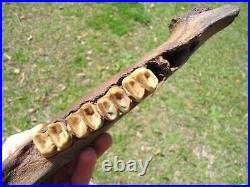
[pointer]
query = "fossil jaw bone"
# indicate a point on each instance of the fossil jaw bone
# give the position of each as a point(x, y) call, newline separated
point(44, 144)
point(146, 77)
point(119, 98)
point(106, 108)
point(133, 88)
point(90, 116)
point(76, 125)
point(59, 135)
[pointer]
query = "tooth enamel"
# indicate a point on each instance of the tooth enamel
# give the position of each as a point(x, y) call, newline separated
point(106, 108)
point(59, 135)
point(76, 125)
point(146, 77)
point(119, 98)
point(133, 88)
point(44, 144)
point(90, 116)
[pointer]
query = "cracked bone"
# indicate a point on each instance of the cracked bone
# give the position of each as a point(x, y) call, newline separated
point(59, 135)
point(44, 144)
point(76, 125)
point(90, 116)
point(146, 77)
point(133, 88)
point(119, 98)
point(107, 108)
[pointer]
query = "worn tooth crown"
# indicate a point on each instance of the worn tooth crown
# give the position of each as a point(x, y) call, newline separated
point(59, 135)
point(90, 116)
point(106, 108)
point(76, 125)
point(44, 144)
point(146, 77)
point(133, 88)
point(119, 98)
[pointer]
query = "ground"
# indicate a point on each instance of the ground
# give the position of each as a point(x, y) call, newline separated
point(194, 126)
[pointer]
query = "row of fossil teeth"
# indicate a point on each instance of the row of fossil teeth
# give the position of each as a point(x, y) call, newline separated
point(90, 116)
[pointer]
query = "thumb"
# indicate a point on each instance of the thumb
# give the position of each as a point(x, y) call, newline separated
point(16, 141)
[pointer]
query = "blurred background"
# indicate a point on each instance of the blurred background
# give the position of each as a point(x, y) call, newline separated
point(194, 126)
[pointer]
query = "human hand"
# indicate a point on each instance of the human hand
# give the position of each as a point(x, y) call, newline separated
point(77, 172)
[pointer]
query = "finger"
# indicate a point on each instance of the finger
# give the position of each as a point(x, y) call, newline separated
point(37, 128)
point(102, 143)
point(85, 166)
point(70, 167)
point(16, 141)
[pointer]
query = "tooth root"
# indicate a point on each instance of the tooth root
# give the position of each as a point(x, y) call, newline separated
point(106, 108)
point(119, 98)
point(76, 125)
point(133, 88)
point(90, 116)
point(59, 135)
point(146, 77)
point(44, 144)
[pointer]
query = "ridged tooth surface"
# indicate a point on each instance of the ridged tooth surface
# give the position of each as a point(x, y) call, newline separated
point(76, 125)
point(90, 116)
point(44, 144)
point(59, 135)
point(106, 108)
point(146, 77)
point(133, 88)
point(119, 98)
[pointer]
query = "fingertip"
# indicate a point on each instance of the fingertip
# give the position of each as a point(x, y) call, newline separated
point(102, 143)
point(87, 156)
point(85, 166)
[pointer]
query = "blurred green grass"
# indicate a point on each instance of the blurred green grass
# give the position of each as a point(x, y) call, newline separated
point(195, 125)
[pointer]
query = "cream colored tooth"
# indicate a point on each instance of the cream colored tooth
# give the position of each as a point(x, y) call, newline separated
point(146, 77)
point(133, 88)
point(106, 108)
point(119, 98)
point(59, 135)
point(90, 116)
point(76, 125)
point(44, 144)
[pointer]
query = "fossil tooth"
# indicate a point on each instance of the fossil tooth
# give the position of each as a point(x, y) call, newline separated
point(119, 98)
point(106, 108)
point(76, 125)
point(146, 77)
point(133, 88)
point(59, 135)
point(44, 144)
point(90, 116)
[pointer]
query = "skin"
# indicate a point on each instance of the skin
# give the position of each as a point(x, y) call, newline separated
point(77, 172)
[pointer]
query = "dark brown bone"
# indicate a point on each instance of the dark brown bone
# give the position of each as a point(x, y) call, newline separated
point(28, 166)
